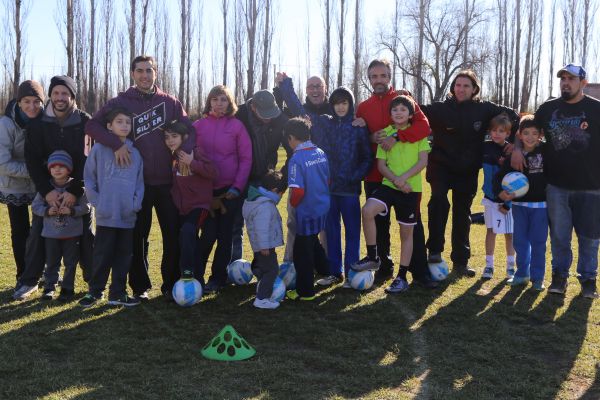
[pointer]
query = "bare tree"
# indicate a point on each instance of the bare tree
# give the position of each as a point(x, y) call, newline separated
point(267, 39)
point(70, 39)
point(18, 30)
point(341, 34)
point(517, 70)
point(91, 93)
point(145, 8)
point(132, 34)
point(327, 55)
point(251, 18)
point(358, 47)
point(183, 50)
point(224, 9)
point(107, 16)
point(526, 86)
point(238, 51)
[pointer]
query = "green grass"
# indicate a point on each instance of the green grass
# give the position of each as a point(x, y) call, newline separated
point(467, 340)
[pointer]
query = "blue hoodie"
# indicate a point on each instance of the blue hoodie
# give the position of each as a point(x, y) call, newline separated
point(347, 147)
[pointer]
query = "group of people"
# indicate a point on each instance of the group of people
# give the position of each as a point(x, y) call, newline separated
point(207, 179)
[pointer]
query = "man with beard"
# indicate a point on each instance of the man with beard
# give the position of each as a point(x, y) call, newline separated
point(152, 108)
point(571, 125)
point(61, 127)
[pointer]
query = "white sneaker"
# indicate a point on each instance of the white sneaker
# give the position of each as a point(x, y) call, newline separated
point(329, 280)
point(265, 304)
point(24, 292)
point(488, 273)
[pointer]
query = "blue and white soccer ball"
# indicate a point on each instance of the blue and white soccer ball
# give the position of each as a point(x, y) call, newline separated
point(278, 290)
point(439, 271)
point(187, 292)
point(287, 273)
point(361, 280)
point(240, 272)
point(515, 182)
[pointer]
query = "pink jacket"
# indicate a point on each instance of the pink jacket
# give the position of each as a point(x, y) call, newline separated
point(226, 143)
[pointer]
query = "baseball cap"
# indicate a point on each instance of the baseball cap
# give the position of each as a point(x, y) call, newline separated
point(572, 69)
point(264, 101)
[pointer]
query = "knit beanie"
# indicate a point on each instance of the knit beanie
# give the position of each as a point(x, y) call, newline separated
point(65, 81)
point(30, 88)
point(60, 157)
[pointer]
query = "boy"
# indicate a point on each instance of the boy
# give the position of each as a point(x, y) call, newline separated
point(62, 229)
point(529, 212)
point(192, 194)
point(401, 187)
point(308, 174)
point(116, 192)
point(263, 223)
point(349, 154)
point(497, 214)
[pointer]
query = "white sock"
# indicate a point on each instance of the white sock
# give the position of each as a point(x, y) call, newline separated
point(510, 262)
point(489, 261)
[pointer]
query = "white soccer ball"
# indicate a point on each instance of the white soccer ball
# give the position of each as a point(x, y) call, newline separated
point(515, 182)
point(439, 271)
point(361, 280)
point(240, 272)
point(278, 290)
point(287, 273)
point(187, 292)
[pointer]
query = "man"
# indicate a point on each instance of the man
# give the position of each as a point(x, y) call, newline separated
point(153, 108)
point(459, 125)
point(264, 122)
point(571, 127)
point(61, 127)
point(375, 111)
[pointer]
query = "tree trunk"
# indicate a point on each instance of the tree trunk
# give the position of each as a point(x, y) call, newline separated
point(419, 63)
point(70, 40)
point(145, 4)
point(517, 69)
point(17, 60)
point(526, 87)
point(264, 81)
point(251, 15)
point(357, 51)
point(341, 34)
point(224, 11)
point(183, 50)
point(327, 65)
point(132, 29)
point(91, 95)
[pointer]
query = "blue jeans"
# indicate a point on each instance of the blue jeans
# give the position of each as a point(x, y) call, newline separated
point(348, 207)
point(529, 239)
point(579, 210)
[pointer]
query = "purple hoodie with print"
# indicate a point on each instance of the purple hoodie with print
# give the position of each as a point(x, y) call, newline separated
point(151, 112)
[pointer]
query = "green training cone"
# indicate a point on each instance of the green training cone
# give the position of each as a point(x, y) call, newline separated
point(228, 346)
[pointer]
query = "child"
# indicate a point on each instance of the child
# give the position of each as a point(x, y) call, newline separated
point(263, 223)
point(192, 193)
point(349, 153)
point(497, 214)
point(116, 192)
point(400, 188)
point(529, 211)
point(63, 227)
point(308, 174)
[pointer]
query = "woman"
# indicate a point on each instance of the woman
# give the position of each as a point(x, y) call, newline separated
point(16, 187)
point(226, 142)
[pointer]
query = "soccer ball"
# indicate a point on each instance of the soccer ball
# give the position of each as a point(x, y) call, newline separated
point(287, 273)
point(516, 183)
point(187, 292)
point(361, 280)
point(278, 290)
point(240, 272)
point(439, 271)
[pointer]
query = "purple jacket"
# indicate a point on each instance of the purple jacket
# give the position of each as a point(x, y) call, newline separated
point(226, 142)
point(194, 190)
point(151, 113)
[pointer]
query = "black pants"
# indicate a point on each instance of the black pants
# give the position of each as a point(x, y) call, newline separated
point(266, 269)
point(68, 251)
point(308, 256)
point(382, 224)
point(19, 231)
point(159, 198)
point(464, 187)
point(219, 229)
point(418, 263)
point(113, 250)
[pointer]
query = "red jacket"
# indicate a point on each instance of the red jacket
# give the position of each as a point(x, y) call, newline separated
point(376, 112)
point(194, 190)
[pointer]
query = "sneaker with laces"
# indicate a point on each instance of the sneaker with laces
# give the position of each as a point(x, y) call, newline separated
point(488, 273)
point(346, 284)
point(65, 295)
point(187, 275)
point(510, 272)
point(24, 292)
point(538, 285)
point(329, 280)
point(558, 285)
point(518, 281)
point(143, 296)
point(265, 304)
point(367, 264)
point(88, 300)
point(212, 287)
point(125, 301)
point(588, 289)
point(464, 270)
point(48, 294)
point(399, 285)
point(293, 295)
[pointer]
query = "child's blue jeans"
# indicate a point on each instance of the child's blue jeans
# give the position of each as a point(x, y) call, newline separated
point(348, 208)
point(529, 240)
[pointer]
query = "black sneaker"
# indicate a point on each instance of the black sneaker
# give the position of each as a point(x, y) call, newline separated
point(143, 296)
point(48, 294)
point(434, 258)
point(65, 295)
point(464, 270)
point(399, 285)
point(212, 287)
point(125, 301)
point(588, 289)
point(426, 283)
point(187, 275)
point(558, 285)
point(366, 264)
point(88, 300)
point(383, 274)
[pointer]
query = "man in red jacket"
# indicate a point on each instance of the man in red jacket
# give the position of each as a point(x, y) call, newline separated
point(375, 112)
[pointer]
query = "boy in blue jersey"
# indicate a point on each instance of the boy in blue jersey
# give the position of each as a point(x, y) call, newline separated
point(497, 213)
point(308, 177)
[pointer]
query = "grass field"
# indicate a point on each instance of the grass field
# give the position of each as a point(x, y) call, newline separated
point(469, 339)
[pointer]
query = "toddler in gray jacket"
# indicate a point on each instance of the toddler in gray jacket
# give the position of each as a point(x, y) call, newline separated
point(263, 224)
